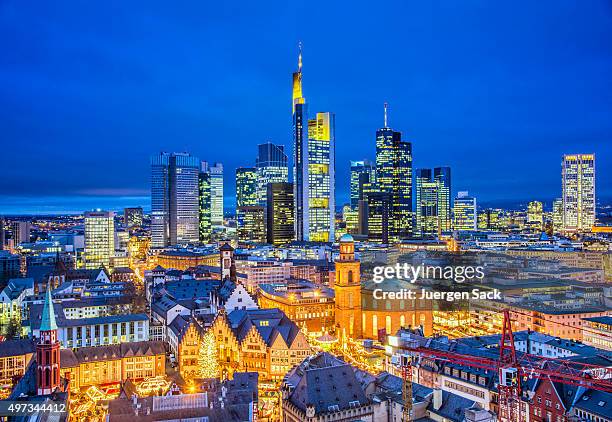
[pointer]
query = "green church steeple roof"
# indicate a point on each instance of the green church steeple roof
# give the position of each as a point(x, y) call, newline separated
point(48, 322)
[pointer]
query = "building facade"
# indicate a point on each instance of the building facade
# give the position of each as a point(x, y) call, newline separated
point(216, 191)
point(362, 172)
point(99, 238)
point(280, 213)
point(394, 177)
point(578, 192)
point(308, 305)
point(246, 187)
point(205, 206)
point(272, 166)
point(174, 199)
point(251, 224)
point(465, 212)
point(347, 289)
point(314, 172)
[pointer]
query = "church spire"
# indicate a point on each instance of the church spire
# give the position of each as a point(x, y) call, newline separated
point(48, 322)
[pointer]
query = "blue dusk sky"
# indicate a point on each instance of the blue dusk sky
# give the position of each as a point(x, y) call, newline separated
point(496, 90)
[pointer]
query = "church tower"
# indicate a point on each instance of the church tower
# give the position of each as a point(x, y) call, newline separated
point(228, 263)
point(347, 288)
point(48, 350)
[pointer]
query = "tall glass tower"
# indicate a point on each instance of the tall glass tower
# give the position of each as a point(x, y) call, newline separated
point(314, 171)
point(578, 192)
point(321, 176)
point(362, 172)
point(272, 167)
point(300, 155)
point(205, 206)
point(246, 187)
point(394, 177)
point(442, 176)
point(216, 191)
point(433, 205)
point(174, 199)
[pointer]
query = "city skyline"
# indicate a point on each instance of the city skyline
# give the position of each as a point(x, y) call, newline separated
point(449, 120)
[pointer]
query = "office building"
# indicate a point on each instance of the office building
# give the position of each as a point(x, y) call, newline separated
point(426, 203)
point(246, 187)
point(251, 224)
point(374, 215)
point(272, 167)
point(174, 199)
point(442, 176)
point(99, 238)
point(464, 212)
point(321, 175)
point(280, 213)
point(132, 217)
point(394, 177)
point(314, 172)
point(216, 191)
point(578, 189)
point(362, 172)
point(20, 231)
point(557, 215)
point(432, 200)
point(204, 205)
point(535, 216)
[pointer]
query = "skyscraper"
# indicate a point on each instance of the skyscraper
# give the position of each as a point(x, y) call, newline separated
point(362, 172)
point(442, 176)
point(246, 187)
point(314, 172)
point(205, 205)
point(216, 191)
point(251, 224)
point(394, 177)
point(280, 213)
point(578, 192)
point(174, 199)
point(426, 203)
point(21, 231)
point(464, 212)
point(321, 175)
point(375, 211)
point(272, 166)
point(99, 238)
point(557, 215)
point(433, 203)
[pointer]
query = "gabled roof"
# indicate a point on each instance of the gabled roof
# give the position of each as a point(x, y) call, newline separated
point(268, 322)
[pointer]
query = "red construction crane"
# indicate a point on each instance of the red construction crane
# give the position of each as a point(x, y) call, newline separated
point(512, 367)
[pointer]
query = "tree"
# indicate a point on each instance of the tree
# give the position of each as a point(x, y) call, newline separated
point(208, 359)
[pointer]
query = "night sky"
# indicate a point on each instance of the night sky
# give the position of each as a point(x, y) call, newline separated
point(89, 90)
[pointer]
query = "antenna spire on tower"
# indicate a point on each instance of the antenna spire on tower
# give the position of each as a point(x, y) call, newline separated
point(386, 107)
point(300, 56)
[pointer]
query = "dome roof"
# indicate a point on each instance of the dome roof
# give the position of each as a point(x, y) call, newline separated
point(346, 238)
